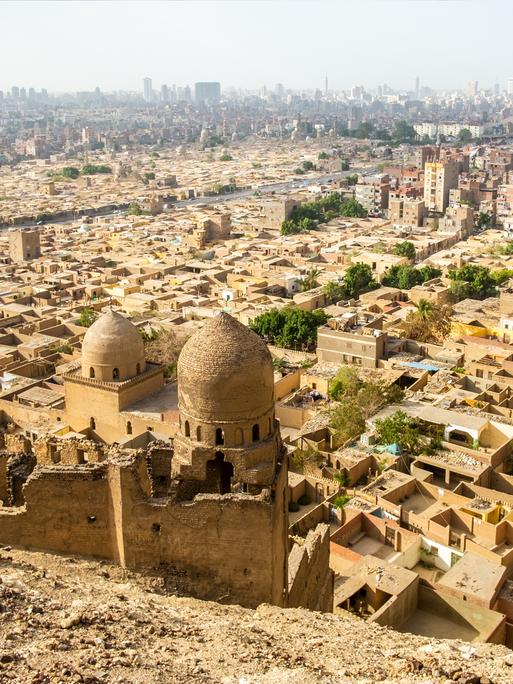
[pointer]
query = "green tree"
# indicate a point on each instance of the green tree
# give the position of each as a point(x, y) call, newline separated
point(364, 130)
point(429, 323)
point(344, 165)
point(308, 166)
point(148, 176)
point(87, 317)
point(501, 275)
point(345, 383)
point(352, 179)
point(347, 421)
point(399, 429)
point(405, 249)
point(225, 157)
point(403, 277)
point(353, 209)
point(484, 220)
point(310, 281)
point(425, 309)
point(323, 155)
point(357, 279)
point(403, 131)
point(290, 327)
point(465, 136)
point(134, 209)
point(334, 292)
point(70, 172)
point(478, 279)
point(92, 169)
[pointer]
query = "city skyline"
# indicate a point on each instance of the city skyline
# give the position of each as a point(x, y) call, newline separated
point(255, 44)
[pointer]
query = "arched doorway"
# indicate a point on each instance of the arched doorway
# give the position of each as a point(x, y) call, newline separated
point(219, 475)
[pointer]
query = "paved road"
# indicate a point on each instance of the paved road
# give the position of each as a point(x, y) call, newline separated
point(295, 184)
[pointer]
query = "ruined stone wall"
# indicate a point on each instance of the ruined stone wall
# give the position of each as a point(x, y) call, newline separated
point(310, 577)
point(215, 547)
point(66, 511)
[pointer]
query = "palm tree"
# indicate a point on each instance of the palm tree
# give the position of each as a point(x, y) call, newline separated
point(310, 280)
point(425, 309)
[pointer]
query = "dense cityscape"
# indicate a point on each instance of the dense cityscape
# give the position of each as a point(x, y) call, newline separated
point(256, 382)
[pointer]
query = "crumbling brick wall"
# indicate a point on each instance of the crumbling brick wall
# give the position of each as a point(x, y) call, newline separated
point(310, 577)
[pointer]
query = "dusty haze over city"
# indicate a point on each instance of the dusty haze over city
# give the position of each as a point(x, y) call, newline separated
point(256, 342)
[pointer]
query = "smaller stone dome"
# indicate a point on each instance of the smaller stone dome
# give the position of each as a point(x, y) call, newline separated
point(112, 349)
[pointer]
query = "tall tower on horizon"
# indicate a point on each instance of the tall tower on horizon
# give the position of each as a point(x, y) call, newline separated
point(326, 85)
point(417, 87)
point(147, 90)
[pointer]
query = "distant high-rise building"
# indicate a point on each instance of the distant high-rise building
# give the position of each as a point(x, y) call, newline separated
point(209, 91)
point(23, 93)
point(164, 93)
point(147, 90)
point(279, 90)
point(31, 93)
point(15, 92)
point(417, 87)
point(510, 86)
point(326, 85)
point(472, 87)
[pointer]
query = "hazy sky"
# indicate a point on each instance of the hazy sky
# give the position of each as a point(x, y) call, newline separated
point(80, 45)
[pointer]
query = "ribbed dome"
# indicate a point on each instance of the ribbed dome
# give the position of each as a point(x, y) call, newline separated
point(225, 373)
point(112, 342)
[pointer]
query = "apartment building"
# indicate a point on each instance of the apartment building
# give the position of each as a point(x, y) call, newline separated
point(372, 192)
point(409, 212)
point(439, 179)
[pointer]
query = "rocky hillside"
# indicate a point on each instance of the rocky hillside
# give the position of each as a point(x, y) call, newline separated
point(63, 620)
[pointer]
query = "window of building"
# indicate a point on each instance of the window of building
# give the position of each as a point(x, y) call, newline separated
point(198, 434)
point(92, 424)
point(187, 429)
point(91, 372)
point(138, 368)
point(256, 432)
point(129, 428)
point(219, 436)
point(115, 373)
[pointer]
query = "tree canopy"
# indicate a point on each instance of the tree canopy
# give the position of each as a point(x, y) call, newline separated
point(399, 429)
point(310, 214)
point(405, 249)
point(92, 169)
point(357, 279)
point(465, 136)
point(87, 317)
point(472, 281)
point(406, 277)
point(429, 323)
point(70, 172)
point(290, 327)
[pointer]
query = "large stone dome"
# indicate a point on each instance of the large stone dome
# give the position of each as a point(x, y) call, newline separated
point(112, 349)
point(225, 373)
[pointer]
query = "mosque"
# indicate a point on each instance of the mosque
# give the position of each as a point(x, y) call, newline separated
point(207, 505)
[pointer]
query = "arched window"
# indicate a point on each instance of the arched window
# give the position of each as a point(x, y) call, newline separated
point(187, 429)
point(256, 432)
point(129, 428)
point(92, 424)
point(115, 373)
point(239, 437)
point(91, 372)
point(337, 465)
point(198, 434)
point(219, 436)
point(138, 368)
